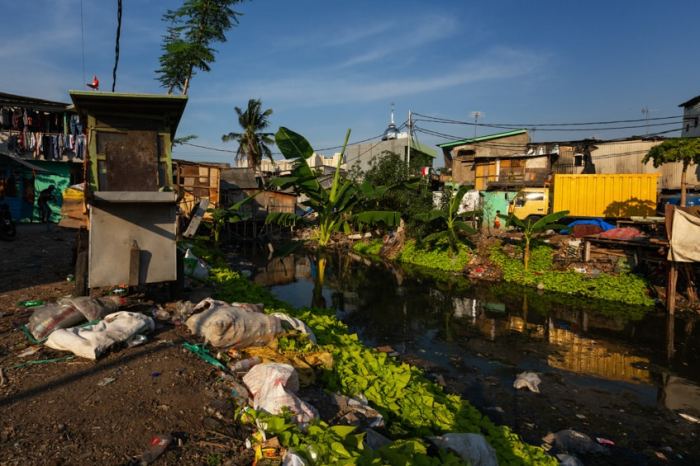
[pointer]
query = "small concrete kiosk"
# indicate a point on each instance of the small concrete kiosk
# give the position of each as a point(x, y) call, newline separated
point(129, 187)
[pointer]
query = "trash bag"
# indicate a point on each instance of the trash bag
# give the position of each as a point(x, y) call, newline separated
point(295, 324)
point(272, 386)
point(222, 324)
point(354, 411)
point(528, 380)
point(91, 342)
point(568, 460)
point(472, 448)
point(68, 312)
point(292, 459)
point(195, 267)
point(573, 442)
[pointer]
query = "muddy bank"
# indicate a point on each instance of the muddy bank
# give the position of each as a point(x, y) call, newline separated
point(605, 370)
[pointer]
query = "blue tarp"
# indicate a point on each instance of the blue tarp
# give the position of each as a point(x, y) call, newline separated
point(599, 222)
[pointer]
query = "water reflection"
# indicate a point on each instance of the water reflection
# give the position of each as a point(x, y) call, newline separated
point(509, 325)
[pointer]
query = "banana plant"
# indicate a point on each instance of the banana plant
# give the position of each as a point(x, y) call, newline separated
point(452, 227)
point(333, 206)
point(220, 216)
point(530, 229)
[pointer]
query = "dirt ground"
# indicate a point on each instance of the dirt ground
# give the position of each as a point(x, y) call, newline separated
point(63, 413)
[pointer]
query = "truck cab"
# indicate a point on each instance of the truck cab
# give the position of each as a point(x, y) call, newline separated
point(530, 203)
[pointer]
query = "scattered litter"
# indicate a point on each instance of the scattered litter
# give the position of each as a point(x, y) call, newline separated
point(30, 303)
point(374, 440)
point(472, 448)
point(356, 411)
point(155, 374)
point(42, 361)
point(222, 324)
point(204, 355)
point(136, 340)
point(604, 441)
point(245, 364)
point(68, 312)
point(295, 324)
point(661, 456)
point(498, 409)
point(568, 460)
point(159, 313)
point(195, 267)
point(3, 380)
point(273, 387)
point(581, 416)
point(156, 447)
point(91, 342)
point(571, 441)
point(528, 380)
point(689, 418)
point(70, 277)
point(29, 351)
point(292, 459)
point(106, 381)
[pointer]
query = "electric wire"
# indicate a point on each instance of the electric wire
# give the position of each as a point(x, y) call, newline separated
point(533, 125)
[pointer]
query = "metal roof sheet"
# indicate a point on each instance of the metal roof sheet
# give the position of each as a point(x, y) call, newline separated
point(487, 137)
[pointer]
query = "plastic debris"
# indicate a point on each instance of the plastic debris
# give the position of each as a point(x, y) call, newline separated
point(528, 380)
point(472, 448)
point(68, 312)
point(195, 267)
point(3, 380)
point(689, 418)
point(245, 364)
point(222, 324)
point(204, 355)
point(29, 351)
point(295, 324)
point(605, 442)
point(136, 340)
point(30, 303)
point(42, 361)
point(568, 460)
point(91, 342)
point(273, 388)
point(157, 446)
point(155, 374)
point(374, 440)
point(357, 411)
point(106, 381)
point(573, 442)
point(292, 459)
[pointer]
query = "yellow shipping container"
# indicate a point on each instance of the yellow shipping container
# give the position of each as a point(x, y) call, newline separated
point(606, 195)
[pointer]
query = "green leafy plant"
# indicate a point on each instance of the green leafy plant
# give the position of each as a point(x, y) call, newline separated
point(332, 206)
point(530, 229)
point(220, 216)
point(441, 258)
point(452, 228)
point(683, 150)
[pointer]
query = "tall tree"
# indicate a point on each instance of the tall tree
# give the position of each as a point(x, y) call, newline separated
point(187, 45)
point(253, 141)
point(684, 150)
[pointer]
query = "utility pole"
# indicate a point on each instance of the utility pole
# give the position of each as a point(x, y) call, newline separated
point(410, 135)
point(476, 115)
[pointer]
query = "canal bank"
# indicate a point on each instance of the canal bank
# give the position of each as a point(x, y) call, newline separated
point(603, 366)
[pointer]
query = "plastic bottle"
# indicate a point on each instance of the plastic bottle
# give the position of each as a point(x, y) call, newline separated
point(245, 364)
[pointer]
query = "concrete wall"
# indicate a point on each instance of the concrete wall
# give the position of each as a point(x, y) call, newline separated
point(691, 121)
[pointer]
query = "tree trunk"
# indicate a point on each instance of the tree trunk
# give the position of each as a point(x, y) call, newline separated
point(186, 87)
point(683, 183)
point(526, 254)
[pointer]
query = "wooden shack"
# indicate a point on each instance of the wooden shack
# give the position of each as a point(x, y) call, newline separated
point(195, 181)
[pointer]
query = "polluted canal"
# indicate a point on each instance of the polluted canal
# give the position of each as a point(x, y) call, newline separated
point(611, 371)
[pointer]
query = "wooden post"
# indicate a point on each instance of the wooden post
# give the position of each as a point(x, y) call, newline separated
point(671, 282)
point(586, 251)
point(134, 264)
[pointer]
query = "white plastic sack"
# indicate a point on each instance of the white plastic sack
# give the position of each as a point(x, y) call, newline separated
point(292, 459)
point(472, 448)
point(528, 380)
point(272, 386)
point(91, 342)
point(222, 324)
point(195, 267)
point(296, 324)
point(67, 312)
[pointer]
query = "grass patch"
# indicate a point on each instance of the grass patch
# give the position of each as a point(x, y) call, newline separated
point(625, 287)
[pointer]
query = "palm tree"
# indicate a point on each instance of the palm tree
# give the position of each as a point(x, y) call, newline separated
point(252, 142)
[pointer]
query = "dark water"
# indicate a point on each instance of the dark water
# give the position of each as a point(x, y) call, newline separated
point(497, 329)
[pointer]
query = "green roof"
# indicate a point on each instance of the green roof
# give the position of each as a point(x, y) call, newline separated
point(488, 137)
point(427, 150)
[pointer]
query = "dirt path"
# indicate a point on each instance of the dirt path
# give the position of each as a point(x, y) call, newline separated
point(65, 413)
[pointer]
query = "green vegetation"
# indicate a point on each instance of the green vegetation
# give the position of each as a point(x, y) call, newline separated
point(450, 226)
point(253, 141)
point(531, 229)
point(333, 206)
point(370, 248)
point(412, 406)
point(625, 287)
point(440, 256)
point(193, 29)
point(684, 150)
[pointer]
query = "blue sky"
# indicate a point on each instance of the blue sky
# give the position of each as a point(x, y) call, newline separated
point(325, 66)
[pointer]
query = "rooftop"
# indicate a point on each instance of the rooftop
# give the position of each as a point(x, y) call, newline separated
point(487, 137)
point(691, 102)
point(12, 100)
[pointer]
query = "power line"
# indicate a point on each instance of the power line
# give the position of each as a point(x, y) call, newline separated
point(608, 128)
point(533, 125)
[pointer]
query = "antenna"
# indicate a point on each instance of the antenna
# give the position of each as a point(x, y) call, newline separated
point(392, 113)
point(646, 112)
point(476, 115)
